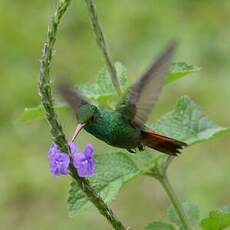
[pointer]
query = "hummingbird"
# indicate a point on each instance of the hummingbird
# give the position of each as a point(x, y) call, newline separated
point(124, 127)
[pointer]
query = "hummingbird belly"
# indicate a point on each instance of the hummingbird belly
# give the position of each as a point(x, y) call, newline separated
point(115, 130)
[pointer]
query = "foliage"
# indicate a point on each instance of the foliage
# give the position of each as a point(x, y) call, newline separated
point(187, 122)
point(103, 91)
point(157, 225)
point(37, 113)
point(113, 170)
point(109, 180)
point(217, 220)
point(190, 210)
point(179, 70)
point(135, 34)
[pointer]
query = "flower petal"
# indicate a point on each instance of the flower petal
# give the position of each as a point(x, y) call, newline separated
point(52, 151)
point(85, 163)
point(59, 164)
point(89, 150)
point(73, 147)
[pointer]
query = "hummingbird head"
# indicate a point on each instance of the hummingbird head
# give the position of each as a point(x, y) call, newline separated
point(86, 115)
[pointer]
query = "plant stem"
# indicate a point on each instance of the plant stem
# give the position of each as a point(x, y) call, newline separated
point(161, 176)
point(175, 202)
point(96, 200)
point(100, 39)
point(159, 172)
point(56, 128)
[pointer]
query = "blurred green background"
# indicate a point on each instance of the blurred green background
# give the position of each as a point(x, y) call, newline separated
point(30, 197)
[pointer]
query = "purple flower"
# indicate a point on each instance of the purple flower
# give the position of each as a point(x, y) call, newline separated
point(84, 162)
point(73, 147)
point(52, 151)
point(59, 162)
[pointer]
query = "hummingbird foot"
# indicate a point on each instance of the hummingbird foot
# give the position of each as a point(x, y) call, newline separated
point(132, 150)
point(141, 148)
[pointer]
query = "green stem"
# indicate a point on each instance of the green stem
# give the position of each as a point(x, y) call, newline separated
point(96, 200)
point(102, 43)
point(161, 176)
point(175, 202)
point(159, 172)
point(56, 128)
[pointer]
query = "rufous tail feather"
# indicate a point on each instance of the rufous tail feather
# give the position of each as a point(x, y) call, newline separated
point(162, 143)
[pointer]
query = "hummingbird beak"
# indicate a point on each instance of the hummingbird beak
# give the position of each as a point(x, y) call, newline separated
point(80, 126)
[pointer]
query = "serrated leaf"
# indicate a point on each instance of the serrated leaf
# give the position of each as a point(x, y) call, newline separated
point(187, 122)
point(217, 220)
point(179, 70)
point(104, 79)
point(146, 156)
point(191, 211)
point(157, 225)
point(113, 170)
point(103, 90)
point(36, 113)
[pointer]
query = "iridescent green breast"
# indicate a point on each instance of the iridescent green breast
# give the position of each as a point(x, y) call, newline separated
point(115, 130)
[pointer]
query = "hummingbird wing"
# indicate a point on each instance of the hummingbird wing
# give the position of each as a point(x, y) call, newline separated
point(71, 96)
point(143, 94)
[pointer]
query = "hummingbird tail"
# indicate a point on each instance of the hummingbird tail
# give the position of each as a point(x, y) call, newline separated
point(162, 143)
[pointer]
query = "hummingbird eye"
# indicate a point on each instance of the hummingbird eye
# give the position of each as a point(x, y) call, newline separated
point(93, 118)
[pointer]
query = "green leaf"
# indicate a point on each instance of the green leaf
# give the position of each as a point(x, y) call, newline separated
point(113, 170)
point(103, 90)
point(190, 210)
point(36, 113)
point(179, 70)
point(217, 220)
point(187, 122)
point(104, 79)
point(157, 225)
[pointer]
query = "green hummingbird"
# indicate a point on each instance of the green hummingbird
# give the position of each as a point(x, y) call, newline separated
point(124, 127)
